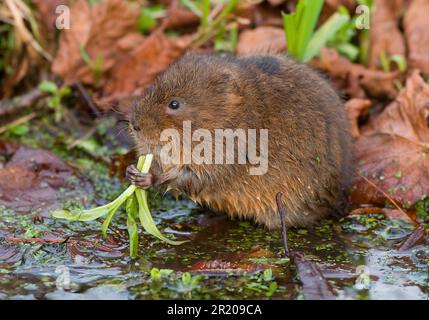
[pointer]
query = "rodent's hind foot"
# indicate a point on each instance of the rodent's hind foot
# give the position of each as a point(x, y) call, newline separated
point(141, 180)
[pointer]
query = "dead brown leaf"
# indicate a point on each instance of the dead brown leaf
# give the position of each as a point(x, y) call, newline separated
point(47, 12)
point(336, 3)
point(356, 80)
point(396, 165)
point(393, 149)
point(135, 73)
point(99, 30)
point(261, 40)
point(314, 284)
point(262, 14)
point(385, 35)
point(409, 216)
point(276, 2)
point(417, 237)
point(35, 180)
point(355, 109)
point(408, 115)
point(10, 253)
point(416, 24)
point(393, 152)
point(179, 17)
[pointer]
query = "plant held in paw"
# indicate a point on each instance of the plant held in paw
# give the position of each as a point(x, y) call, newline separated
point(135, 200)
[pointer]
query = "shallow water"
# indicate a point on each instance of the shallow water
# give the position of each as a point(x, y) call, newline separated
point(357, 255)
point(336, 247)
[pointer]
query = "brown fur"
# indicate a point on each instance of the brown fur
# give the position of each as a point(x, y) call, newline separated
point(309, 156)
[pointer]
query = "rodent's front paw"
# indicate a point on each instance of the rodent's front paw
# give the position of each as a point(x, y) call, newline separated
point(141, 180)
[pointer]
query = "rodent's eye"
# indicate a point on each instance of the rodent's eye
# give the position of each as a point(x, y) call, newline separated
point(174, 104)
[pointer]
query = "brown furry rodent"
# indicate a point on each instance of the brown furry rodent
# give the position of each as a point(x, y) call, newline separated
point(308, 145)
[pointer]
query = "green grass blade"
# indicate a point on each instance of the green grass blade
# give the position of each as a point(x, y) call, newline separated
point(131, 209)
point(324, 34)
point(110, 216)
point(290, 31)
point(205, 12)
point(231, 5)
point(144, 212)
point(308, 15)
point(191, 5)
point(81, 215)
point(147, 220)
point(348, 50)
point(400, 61)
point(95, 213)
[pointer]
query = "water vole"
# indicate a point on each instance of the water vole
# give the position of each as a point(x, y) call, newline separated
point(308, 140)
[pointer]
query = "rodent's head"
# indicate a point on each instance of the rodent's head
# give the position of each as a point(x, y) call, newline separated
point(198, 88)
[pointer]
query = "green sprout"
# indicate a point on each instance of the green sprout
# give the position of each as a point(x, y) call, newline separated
point(212, 27)
point(135, 200)
point(96, 66)
point(343, 39)
point(387, 60)
point(263, 282)
point(364, 36)
point(398, 59)
point(304, 42)
point(57, 95)
point(149, 17)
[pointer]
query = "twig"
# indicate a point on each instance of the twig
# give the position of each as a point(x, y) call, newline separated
point(314, 284)
point(88, 244)
point(384, 193)
point(19, 23)
point(205, 34)
point(34, 240)
point(87, 135)
point(282, 219)
point(18, 121)
point(362, 211)
point(9, 106)
point(418, 236)
point(87, 98)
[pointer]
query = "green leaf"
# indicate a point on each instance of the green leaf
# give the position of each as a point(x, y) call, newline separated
point(110, 215)
point(95, 213)
point(65, 91)
point(19, 130)
point(271, 289)
point(131, 209)
point(205, 12)
point(290, 30)
point(146, 219)
point(48, 86)
point(83, 215)
point(186, 278)
point(196, 279)
point(227, 10)
point(268, 275)
point(85, 56)
point(400, 61)
point(191, 5)
point(348, 50)
point(324, 34)
point(384, 61)
point(299, 26)
point(134, 197)
point(307, 20)
point(148, 17)
point(155, 274)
